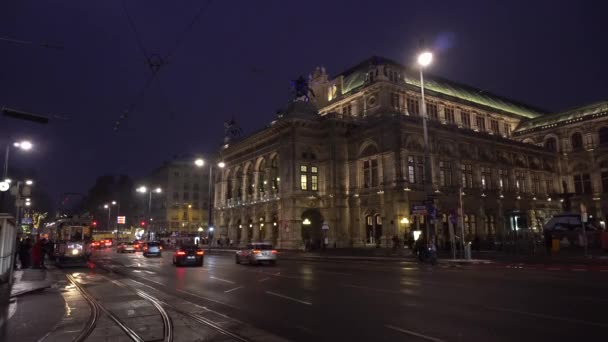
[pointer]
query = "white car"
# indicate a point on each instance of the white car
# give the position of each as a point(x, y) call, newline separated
point(125, 247)
point(256, 253)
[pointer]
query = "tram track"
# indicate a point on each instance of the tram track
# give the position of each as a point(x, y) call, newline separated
point(96, 306)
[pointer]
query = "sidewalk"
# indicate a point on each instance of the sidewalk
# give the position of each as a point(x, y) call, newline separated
point(570, 257)
point(36, 305)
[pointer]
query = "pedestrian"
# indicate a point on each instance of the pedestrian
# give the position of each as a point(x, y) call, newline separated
point(395, 242)
point(548, 241)
point(37, 254)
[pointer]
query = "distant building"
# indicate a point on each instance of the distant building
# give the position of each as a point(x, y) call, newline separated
point(348, 166)
point(182, 206)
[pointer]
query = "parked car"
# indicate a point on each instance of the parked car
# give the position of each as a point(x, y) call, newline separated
point(152, 249)
point(125, 247)
point(256, 253)
point(188, 255)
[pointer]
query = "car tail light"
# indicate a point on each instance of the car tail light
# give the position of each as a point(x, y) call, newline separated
point(136, 245)
point(108, 244)
point(256, 251)
point(145, 248)
point(181, 253)
point(161, 248)
point(200, 253)
point(274, 252)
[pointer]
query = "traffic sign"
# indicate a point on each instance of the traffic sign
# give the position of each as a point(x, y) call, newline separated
point(419, 210)
point(121, 219)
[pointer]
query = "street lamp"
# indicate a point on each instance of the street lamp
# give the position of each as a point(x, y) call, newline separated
point(143, 189)
point(424, 59)
point(109, 207)
point(199, 163)
point(24, 145)
point(29, 182)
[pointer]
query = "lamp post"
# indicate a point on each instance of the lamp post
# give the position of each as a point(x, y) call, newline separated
point(109, 207)
point(200, 163)
point(424, 59)
point(143, 189)
point(24, 145)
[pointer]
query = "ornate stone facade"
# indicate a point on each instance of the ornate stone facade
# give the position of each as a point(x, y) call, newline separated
point(353, 159)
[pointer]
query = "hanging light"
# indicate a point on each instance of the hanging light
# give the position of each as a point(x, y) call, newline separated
point(306, 222)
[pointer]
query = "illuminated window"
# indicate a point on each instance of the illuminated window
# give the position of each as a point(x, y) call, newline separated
point(413, 107)
point(486, 178)
point(494, 126)
point(449, 115)
point(481, 122)
point(445, 173)
point(303, 168)
point(503, 179)
point(314, 183)
point(431, 111)
point(467, 175)
point(415, 169)
point(309, 178)
point(465, 118)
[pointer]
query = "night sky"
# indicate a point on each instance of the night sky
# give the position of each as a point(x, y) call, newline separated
point(239, 56)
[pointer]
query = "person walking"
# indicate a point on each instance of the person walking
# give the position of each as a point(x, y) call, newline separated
point(37, 253)
point(24, 253)
point(548, 241)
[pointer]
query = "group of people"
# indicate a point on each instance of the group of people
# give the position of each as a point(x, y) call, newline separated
point(31, 251)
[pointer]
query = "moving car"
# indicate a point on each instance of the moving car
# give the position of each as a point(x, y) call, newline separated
point(188, 255)
point(137, 245)
point(256, 253)
point(152, 248)
point(95, 244)
point(125, 247)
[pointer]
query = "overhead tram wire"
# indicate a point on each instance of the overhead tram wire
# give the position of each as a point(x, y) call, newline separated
point(155, 61)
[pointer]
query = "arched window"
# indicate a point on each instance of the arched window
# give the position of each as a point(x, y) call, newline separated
point(274, 173)
point(262, 176)
point(603, 136)
point(250, 181)
point(582, 181)
point(604, 175)
point(577, 141)
point(551, 144)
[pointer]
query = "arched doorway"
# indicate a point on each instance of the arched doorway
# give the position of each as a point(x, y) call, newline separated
point(373, 229)
point(312, 235)
point(239, 230)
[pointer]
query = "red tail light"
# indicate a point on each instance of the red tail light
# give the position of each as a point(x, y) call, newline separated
point(161, 248)
point(200, 253)
point(145, 248)
point(181, 253)
point(256, 251)
point(274, 252)
point(136, 245)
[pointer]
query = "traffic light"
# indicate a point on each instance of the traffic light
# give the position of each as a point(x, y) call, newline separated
point(142, 223)
point(94, 223)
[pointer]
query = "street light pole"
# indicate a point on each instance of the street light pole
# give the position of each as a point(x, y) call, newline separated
point(424, 59)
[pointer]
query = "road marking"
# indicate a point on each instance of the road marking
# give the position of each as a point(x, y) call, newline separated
point(149, 272)
point(234, 289)
point(224, 280)
point(371, 289)
point(261, 280)
point(136, 271)
point(556, 318)
point(412, 333)
point(286, 297)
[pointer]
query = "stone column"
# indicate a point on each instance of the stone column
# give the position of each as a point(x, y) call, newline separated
point(268, 227)
point(256, 185)
point(244, 230)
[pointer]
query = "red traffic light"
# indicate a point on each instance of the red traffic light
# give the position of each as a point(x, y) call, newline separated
point(94, 223)
point(142, 223)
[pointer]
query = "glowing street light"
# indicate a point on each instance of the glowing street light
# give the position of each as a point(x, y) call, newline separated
point(425, 58)
point(24, 145)
point(221, 165)
point(199, 162)
point(158, 190)
point(142, 189)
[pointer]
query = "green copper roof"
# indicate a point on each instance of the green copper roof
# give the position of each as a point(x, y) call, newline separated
point(575, 114)
point(355, 77)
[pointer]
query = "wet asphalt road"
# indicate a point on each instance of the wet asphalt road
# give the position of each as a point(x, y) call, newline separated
point(358, 301)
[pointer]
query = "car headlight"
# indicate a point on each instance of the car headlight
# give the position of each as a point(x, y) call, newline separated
point(74, 252)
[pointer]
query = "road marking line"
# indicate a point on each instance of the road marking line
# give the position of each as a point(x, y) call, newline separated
point(557, 318)
point(371, 289)
point(224, 280)
point(261, 280)
point(150, 272)
point(286, 297)
point(234, 289)
point(409, 332)
point(136, 271)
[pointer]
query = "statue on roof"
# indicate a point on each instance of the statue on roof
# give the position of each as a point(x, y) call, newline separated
point(301, 90)
point(232, 130)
